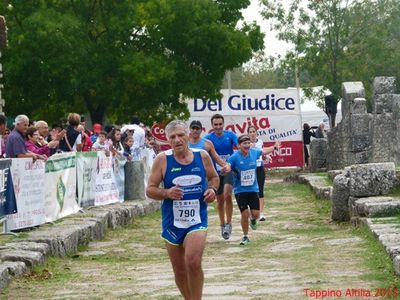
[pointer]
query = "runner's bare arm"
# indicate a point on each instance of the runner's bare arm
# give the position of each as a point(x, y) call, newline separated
point(267, 150)
point(211, 149)
point(212, 177)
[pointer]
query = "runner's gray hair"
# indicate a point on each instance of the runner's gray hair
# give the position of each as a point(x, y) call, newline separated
point(174, 124)
point(21, 118)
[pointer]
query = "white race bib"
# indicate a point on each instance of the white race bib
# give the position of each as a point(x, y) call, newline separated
point(247, 177)
point(186, 213)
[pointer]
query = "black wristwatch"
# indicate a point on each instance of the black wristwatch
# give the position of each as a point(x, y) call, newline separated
point(213, 188)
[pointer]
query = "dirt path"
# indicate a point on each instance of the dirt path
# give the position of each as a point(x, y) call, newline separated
point(297, 248)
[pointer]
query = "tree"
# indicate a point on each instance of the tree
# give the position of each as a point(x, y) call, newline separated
point(120, 58)
point(339, 40)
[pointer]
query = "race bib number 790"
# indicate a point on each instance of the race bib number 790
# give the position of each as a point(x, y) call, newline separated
point(186, 213)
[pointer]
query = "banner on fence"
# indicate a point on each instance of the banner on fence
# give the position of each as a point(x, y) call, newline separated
point(27, 176)
point(275, 112)
point(8, 203)
point(60, 186)
point(106, 190)
point(119, 175)
point(86, 163)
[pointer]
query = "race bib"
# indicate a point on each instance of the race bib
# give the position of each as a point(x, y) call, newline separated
point(224, 157)
point(186, 213)
point(247, 177)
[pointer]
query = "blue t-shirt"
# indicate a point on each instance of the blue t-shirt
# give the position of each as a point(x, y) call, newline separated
point(244, 171)
point(191, 209)
point(199, 145)
point(223, 144)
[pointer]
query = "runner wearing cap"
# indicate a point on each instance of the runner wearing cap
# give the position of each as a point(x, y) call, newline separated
point(197, 142)
point(224, 141)
point(244, 164)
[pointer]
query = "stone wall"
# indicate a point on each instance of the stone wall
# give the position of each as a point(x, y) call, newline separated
point(362, 137)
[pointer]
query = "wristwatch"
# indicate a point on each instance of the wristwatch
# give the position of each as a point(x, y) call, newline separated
point(213, 188)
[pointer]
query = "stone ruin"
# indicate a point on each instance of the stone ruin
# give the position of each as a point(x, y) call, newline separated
point(363, 137)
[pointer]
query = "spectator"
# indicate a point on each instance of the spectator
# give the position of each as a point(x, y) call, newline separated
point(320, 132)
point(43, 138)
point(31, 142)
point(3, 122)
point(96, 131)
point(115, 139)
point(16, 141)
point(138, 135)
point(86, 141)
point(127, 144)
point(73, 138)
point(307, 134)
point(101, 143)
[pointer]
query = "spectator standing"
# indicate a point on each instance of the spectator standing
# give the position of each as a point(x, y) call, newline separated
point(320, 132)
point(101, 143)
point(96, 131)
point(73, 138)
point(31, 143)
point(3, 122)
point(15, 147)
point(307, 134)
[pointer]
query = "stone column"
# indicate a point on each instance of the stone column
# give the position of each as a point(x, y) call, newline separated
point(134, 180)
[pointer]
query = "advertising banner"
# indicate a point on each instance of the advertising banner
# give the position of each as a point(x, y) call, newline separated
point(106, 190)
point(8, 203)
point(60, 186)
point(86, 163)
point(119, 175)
point(28, 182)
point(275, 112)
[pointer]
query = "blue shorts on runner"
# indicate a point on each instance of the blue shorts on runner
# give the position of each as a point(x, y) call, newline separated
point(176, 236)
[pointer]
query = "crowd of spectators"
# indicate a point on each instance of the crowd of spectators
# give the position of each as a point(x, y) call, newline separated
point(37, 140)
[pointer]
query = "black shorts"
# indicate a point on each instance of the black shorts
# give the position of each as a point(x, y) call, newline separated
point(248, 200)
point(260, 181)
point(227, 179)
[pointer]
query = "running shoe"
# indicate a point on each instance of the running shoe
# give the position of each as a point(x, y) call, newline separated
point(224, 232)
point(245, 240)
point(262, 218)
point(228, 227)
point(253, 224)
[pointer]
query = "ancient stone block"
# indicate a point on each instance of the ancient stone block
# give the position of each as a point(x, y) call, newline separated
point(359, 106)
point(134, 180)
point(384, 85)
point(371, 179)
point(339, 197)
point(350, 91)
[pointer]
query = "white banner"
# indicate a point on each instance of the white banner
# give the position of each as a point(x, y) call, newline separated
point(86, 164)
point(28, 181)
point(276, 113)
point(119, 175)
point(106, 190)
point(60, 186)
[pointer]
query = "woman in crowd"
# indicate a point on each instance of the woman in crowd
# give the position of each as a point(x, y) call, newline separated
point(73, 138)
point(115, 139)
point(31, 143)
point(260, 171)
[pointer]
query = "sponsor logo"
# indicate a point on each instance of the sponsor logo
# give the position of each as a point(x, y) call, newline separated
point(196, 169)
point(175, 170)
point(187, 180)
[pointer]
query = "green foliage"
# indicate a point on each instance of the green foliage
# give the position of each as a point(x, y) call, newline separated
point(120, 58)
point(337, 41)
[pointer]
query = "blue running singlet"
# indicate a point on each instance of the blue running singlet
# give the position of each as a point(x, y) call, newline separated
point(180, 217)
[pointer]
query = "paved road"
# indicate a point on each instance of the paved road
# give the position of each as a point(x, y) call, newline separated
point(296, 249)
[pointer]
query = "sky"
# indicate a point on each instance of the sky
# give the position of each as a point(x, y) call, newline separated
point(273, 46)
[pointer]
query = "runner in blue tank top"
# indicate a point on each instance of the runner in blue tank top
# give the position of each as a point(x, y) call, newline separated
point(244, 164)
point(224, 141)
point(189, 183)
point(197, 142)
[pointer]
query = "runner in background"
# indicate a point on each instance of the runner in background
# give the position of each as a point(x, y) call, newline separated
point(244, 164)
point(197, 142)
point(224, 141)
point(189, 183)
point(258, 144)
